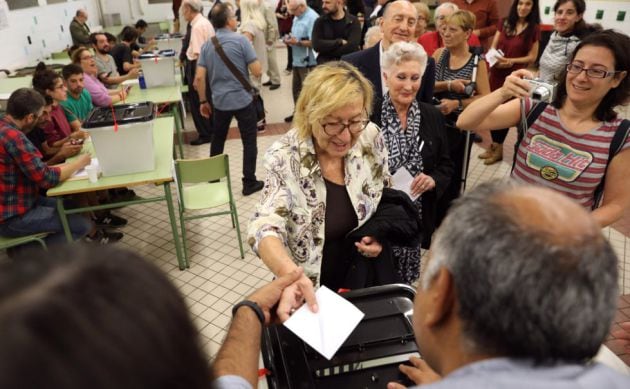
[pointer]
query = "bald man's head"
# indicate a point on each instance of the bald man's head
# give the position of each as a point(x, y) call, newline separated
point(534, 276)
point(548, 214)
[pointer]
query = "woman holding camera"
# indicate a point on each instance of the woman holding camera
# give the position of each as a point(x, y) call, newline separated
point(517, 37)
point(456, 87)
point(568, 145)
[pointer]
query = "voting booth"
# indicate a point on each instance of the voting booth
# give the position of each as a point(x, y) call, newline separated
point(369, 358)
point(122, 136)
point(158, 68)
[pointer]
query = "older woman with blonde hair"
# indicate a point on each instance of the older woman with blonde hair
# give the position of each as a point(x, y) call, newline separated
point(416, 141)
point(325, 178)
point(253, 26)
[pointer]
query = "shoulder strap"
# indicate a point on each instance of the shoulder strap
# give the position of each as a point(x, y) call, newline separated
point(443, 61)
point(231, 66)
point(527, 119)
point(618, 140)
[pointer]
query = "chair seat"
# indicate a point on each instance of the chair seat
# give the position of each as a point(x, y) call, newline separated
point(6, 242)
point(201, 196)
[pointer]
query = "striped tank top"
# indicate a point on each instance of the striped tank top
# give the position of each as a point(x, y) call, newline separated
point(444, 73)
point(573, 164)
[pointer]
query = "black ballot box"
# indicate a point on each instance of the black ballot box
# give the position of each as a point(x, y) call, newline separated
point(369, 358)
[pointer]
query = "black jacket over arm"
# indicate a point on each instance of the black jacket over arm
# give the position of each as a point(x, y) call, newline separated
point(368, 61)
point(395, 222)
point(329, 46)
point(437, 164)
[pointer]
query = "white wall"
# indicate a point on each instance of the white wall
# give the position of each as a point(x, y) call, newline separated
point(610, 9)
point(44, 26)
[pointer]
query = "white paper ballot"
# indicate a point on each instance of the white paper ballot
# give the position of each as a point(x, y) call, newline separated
point(492, 56)
point(326, 330)
point(401, 180)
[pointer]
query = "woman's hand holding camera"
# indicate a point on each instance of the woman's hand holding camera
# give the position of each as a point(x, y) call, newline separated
point(515, 85)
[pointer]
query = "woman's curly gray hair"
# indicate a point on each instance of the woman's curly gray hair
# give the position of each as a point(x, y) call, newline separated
point(400, 52)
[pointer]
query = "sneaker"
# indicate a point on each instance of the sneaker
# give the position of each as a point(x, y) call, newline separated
point(110, 220)
point(253, 188)
point(268, 83)
point(104, 237)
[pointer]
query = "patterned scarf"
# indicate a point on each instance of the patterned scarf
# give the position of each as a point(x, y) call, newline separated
point(403, 147)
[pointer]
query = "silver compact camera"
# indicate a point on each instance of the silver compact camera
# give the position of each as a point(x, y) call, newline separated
point(542, 91)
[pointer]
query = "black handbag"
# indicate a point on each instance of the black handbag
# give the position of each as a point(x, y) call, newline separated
point(258, 101)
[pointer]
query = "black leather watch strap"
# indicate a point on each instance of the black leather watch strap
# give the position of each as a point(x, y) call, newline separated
point(253, 306)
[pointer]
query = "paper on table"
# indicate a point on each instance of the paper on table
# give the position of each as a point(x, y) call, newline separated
point(326, 330)
point(81, 174)
point(402, 180)
point(492, 56)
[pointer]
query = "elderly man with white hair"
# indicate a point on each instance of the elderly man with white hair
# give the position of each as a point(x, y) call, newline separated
point(79, 30)
point(201, 30)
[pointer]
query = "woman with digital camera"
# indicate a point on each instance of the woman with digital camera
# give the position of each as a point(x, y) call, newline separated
point(576, 145)
point(461, 77)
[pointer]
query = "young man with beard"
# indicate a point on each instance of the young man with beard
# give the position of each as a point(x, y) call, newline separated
point(107, 71)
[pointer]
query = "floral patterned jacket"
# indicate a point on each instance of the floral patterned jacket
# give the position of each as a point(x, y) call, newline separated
point(293, 203)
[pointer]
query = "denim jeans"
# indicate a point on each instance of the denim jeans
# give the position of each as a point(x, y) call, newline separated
point(43, 217)
point(246, 119)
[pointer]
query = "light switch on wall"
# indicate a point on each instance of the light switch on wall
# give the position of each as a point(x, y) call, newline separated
point(599, 15)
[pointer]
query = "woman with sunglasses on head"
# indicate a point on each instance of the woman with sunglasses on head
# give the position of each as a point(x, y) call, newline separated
point(416, 141)
point(569, 29)
point(325, 179)
point(517, 37)
point(567, 147)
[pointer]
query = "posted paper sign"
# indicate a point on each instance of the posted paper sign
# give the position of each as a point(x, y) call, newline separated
point(326, 330)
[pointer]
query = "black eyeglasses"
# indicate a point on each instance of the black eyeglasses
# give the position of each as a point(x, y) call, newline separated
point(355, 127)
point(591, 73)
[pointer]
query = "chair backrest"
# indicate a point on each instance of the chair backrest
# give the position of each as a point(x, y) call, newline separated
point(193, 171)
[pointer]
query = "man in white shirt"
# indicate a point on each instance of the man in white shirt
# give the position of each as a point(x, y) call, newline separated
point(201, 30)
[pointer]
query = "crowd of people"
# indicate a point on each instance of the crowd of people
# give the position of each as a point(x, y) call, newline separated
point(329, 212)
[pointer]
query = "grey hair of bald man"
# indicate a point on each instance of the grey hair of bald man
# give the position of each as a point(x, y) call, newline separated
point(400, 52)
point(195, 5)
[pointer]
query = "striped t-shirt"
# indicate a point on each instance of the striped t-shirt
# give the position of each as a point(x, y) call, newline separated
point(552, 156)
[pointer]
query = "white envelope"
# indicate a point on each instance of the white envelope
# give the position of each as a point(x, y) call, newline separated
point(326, 330)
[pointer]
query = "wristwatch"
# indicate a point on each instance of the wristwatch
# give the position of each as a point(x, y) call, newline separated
point(253, 306)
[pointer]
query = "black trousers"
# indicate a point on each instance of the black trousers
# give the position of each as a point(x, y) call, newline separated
point(246, 119)
point(203, 126)
point(498, 136)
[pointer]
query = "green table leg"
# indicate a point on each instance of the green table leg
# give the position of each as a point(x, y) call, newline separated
point(64, 219)
point(175, 107)
point(183, 264)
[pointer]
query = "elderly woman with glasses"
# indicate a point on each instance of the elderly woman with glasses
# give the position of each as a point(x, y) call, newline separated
point(325, 179)
point(416, 141)
point(576, 145)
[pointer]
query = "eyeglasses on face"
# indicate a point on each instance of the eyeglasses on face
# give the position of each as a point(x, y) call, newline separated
point(336, 128)
point(86, 57)
point(591, 72)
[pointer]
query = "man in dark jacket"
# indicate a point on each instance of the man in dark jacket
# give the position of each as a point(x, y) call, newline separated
point(79, 29)
point(336, 32)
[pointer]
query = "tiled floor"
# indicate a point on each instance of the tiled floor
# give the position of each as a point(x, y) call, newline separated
point(218, 277)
